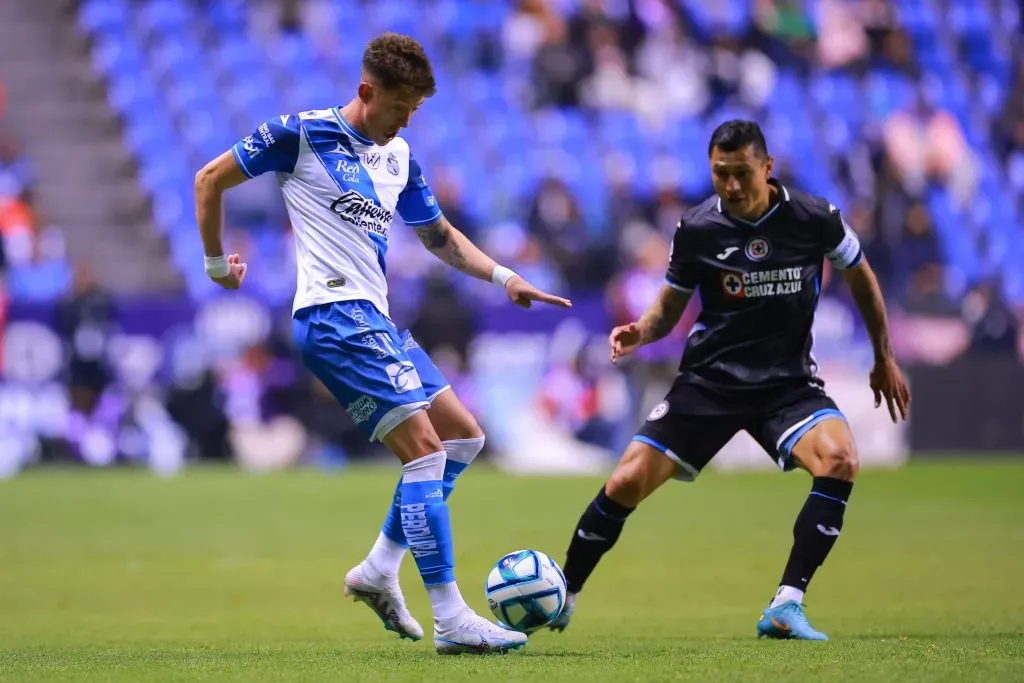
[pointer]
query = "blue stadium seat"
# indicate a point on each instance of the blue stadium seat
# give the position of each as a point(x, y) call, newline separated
point(103, 16)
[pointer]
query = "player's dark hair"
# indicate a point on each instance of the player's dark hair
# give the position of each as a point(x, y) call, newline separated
point(735, 135)
point(398, 62)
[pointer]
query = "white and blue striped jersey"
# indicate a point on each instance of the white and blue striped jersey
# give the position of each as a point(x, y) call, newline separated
point(342, 192)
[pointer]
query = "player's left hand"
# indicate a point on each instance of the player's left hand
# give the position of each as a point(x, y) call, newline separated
point(887, 381)
point(522, 293)
point(236, 273)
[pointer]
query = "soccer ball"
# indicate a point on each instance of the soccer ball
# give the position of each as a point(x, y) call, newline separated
point(526, 590)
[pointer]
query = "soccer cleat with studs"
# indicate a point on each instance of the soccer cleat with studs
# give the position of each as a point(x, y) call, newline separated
point(386, 601)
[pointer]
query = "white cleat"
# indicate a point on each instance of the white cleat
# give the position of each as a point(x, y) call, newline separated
point(477, 636)
point(386, 601)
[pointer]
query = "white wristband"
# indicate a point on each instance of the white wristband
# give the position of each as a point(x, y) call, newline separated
point(502, 275)
point(217, 266)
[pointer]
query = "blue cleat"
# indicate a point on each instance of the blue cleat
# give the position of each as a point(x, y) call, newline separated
point(787, 622)
point(561, 622)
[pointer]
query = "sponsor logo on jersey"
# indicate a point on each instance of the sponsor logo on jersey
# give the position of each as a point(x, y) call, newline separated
point(266, 135)
point(349, 170)
point(403, 376)
point(757, 249)
point(363, 212)
point(334, 283)
point(249, 145)
point(372, 160)
point(361, 409)
point(393, 164)
point(762, 283)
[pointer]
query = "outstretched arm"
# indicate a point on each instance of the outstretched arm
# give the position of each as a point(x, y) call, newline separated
point(447, 243)
point(886, 378)
point(656, 322)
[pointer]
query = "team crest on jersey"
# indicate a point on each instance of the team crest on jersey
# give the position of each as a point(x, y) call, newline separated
point(372, 160)
point(659, 412)
point(757, 249)
point(732, 284)
point(392, 164)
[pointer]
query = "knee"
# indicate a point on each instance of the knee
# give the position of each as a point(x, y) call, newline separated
point(624, 487)
point(467, 428)
point(628, 485)
point(837, 460)
point(413, 439)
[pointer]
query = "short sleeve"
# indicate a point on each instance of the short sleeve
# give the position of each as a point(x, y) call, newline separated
point(274, 146)
point(682, 272)
point(842, 248)
point(416, 203)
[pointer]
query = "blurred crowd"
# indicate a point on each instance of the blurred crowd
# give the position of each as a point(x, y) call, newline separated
point(33, 262)
point(904, 169)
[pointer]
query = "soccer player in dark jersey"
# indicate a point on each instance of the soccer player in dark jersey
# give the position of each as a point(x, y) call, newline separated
point(755, 249)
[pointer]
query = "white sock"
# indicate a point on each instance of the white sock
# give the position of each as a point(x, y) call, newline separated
point(384, 559)
point(449, 607)
point(787, 594)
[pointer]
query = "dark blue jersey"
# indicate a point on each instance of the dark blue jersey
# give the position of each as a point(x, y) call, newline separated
point(759, 284)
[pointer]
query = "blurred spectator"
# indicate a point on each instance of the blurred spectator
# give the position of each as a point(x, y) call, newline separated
point(842, 38)
point(86, 319)
point(925, 143)
point(448, 190)
point(443, 322)
point(194, 402)
point(1009, 132)
point(16, 174)
point(787, 22)
point(557, 222)
point(673, 71)
point(926, 291)
point(524, 31)
point(610, 85)
point(558, 67)
point(995, 329)
point(919, 245)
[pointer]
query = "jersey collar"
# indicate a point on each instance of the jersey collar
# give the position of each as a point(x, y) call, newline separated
point(350, 129)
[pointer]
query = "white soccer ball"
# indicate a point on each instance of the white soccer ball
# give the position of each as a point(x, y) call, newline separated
point(526, 590)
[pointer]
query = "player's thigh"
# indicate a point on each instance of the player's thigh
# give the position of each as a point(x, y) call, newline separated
point(356, 352)
point(828, 450)
point(809, 432)
point(451, 419)
point(681, 435)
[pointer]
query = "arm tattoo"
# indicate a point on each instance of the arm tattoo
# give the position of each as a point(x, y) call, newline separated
point(433, 236)
point(663, 316)
point(438, 238)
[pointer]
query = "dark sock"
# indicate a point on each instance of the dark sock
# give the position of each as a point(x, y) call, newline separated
point(595, 534)
point(816, 530)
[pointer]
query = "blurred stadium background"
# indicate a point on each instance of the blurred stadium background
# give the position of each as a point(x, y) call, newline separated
point(566, 138)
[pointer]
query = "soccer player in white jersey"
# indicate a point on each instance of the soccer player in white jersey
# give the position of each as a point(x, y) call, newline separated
point(344, 172)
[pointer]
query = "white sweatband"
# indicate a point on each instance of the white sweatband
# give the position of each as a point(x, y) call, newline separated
point(217, 266)
point(502, 275)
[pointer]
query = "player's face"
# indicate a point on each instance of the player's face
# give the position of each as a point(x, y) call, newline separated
point(388, 111)
point(741, 180)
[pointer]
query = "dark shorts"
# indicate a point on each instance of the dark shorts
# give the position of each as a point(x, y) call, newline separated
point(693, 423)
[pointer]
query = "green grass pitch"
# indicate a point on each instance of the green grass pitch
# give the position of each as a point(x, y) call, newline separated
point(219, 576)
